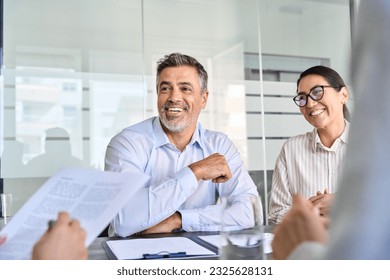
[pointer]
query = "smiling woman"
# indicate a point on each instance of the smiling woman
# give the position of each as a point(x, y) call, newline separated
point(310, 164)
point(317, 80)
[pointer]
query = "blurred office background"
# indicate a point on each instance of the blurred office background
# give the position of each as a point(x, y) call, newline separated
point(76, 72)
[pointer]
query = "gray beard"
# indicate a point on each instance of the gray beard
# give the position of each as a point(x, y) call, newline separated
point(174, 126)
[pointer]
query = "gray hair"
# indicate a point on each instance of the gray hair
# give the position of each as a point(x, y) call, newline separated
point(178, 59)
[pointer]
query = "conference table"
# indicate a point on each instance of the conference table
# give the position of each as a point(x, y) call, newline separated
point(96, 250)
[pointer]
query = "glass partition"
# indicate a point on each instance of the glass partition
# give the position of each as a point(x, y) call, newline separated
point(73, 77)
point(77, 72)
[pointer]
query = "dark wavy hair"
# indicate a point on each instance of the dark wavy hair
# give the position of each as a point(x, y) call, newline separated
point(332, 77)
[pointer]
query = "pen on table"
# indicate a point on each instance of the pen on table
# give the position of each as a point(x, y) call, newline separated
point(164, 255)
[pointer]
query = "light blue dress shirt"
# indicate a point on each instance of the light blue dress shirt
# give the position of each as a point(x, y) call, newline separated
point(173, 186)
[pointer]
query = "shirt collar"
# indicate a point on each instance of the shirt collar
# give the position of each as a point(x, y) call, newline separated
point(161, 139)
point(344, 135)
point(316, 141)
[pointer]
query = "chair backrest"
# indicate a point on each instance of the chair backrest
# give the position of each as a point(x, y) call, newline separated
point(258, 178)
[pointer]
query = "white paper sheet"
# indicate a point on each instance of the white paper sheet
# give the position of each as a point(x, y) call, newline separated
point(91, 196)
point(135, 248)
point(217, 239)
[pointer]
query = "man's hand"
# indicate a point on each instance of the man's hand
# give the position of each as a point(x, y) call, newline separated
point(213, 168)
point(63, 241)
point(168, 225)
point(301, 223)
point(323, 201)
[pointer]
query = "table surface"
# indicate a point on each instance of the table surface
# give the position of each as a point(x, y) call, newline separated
point(97, 252)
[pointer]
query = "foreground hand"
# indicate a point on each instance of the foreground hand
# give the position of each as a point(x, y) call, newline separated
point(301, 223)
point(2, 239)
point(168, 225)
point(323, 201)
point(63, 241)
point(213, 168)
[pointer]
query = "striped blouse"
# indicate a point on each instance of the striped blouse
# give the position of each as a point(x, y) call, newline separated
point(305, 166)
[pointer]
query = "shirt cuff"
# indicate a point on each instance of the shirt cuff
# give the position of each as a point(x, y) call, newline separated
point(190, 220)
point(187, 180)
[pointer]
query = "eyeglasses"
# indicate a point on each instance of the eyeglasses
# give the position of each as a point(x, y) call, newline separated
point(316, 93)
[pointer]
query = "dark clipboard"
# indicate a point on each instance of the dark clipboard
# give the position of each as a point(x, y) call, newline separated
point(180, 255)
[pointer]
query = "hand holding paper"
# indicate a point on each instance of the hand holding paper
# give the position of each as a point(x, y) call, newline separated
point(92, 197)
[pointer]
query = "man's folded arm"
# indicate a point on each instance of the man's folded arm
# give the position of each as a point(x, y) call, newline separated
point(151, 205)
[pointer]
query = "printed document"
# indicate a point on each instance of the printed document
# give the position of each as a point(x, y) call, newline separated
point(91, 196)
